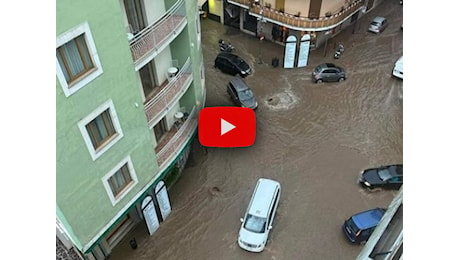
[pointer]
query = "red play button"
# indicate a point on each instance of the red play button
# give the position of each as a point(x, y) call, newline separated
point(226, 127)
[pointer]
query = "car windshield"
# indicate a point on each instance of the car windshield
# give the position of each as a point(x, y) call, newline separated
point(318, 69)
point(245, 94)
point(384, 174)
point(255, 224)
point(375, 23)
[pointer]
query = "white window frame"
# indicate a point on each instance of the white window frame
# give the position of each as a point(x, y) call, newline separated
point(198, 26)
point(116, 124)
point(132, 173)
point(65, 38)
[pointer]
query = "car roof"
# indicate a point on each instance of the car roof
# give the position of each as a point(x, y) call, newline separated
point(395, 169)
point(379, 19)
point(327, 65)
point(228, 55)
point(239, 83)
point(369, 218)
point(260, 204)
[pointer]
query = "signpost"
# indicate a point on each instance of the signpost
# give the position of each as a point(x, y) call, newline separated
point(150, 215)
point(289, 51)
point(304, 51)
point(328, 34)
point(163, 199)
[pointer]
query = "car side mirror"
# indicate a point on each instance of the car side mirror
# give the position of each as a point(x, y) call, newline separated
point(270, 227)
point(241, 219)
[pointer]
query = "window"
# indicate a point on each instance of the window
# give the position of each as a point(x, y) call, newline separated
point(77, 61)
point(74, 59)
point(120, 180)
point(101, 129)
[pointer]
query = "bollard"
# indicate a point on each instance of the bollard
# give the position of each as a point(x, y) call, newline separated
point(133, 243)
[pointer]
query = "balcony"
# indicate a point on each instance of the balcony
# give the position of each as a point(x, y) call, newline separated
point(159, 105)
point(172, 144)
point(300, 22)
point(154, 38)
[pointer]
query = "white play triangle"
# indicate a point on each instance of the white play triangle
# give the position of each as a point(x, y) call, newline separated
point(225, 127)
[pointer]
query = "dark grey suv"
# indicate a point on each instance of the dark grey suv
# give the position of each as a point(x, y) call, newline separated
point(328, 72)
point(241, 94)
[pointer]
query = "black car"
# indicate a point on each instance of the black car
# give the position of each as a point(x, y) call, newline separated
point(328, 72)
point(388, 176)
point(241, 94)
point(232, 64)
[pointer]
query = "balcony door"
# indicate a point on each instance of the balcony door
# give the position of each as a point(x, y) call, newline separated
point(160, 130)
point(149, 85)
point(135, 12)
point(315, 9)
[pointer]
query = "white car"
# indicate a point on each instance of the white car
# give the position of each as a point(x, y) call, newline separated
point(258, 220)
point(398, 68)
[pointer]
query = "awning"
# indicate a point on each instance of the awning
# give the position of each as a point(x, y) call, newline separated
point(201, 3)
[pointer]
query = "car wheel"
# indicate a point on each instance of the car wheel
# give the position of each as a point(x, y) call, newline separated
point(341, 79)
point(319, 81)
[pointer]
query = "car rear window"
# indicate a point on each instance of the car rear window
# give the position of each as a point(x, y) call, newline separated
point(375, 23)
point(384, 174)
point(245, 94)
point(353, 227)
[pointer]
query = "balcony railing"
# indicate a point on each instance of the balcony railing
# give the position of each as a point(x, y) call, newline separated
point(301, 22)
point(156, 35)
point(156, 107)
point(176, 143)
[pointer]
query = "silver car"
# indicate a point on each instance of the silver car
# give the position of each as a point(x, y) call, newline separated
point(328, 72)
point(378, 24)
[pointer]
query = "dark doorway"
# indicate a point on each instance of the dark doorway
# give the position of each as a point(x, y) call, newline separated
point(232, 15)
point(370, 4)
point(250, 22)
point(315, 8)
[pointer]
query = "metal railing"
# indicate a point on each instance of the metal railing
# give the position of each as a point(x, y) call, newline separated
point(168, 96)
point(155, 35)
point(302, 22)
point(175, 145)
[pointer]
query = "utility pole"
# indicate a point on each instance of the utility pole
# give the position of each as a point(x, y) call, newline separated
point(260, 31)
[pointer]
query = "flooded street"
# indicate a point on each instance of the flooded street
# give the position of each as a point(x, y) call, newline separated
point(313, 138)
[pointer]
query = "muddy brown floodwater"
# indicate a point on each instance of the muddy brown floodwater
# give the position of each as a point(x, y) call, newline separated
point(313, 138)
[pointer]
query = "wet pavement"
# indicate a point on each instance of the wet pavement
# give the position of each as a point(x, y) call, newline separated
point(313, 138)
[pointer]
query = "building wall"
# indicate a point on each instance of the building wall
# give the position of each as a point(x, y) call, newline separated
point(83, 203)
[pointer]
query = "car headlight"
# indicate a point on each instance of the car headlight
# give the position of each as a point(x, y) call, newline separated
point(367, 184)
point(243, 72)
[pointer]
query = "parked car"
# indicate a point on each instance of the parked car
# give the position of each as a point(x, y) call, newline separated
point(378, 24)
point(359, 227)
point(240, 93)
point(328, 72)
point(258, 219)
point(232, 64)
point(388, 176)
point(398, 68)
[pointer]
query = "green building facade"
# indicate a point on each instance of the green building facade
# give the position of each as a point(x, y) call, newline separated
point(129, 85)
